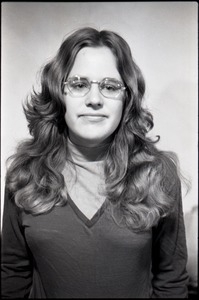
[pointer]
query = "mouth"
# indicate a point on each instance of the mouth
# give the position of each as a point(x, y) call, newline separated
point(93, 117)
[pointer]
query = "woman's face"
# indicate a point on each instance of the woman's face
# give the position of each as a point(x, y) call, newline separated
point(93, 118)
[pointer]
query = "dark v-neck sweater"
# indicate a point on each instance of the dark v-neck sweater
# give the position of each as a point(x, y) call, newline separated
point(63, 254)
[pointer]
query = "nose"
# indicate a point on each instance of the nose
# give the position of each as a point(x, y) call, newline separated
point(94, 98)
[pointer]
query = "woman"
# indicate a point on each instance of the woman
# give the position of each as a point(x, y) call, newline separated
point(92, 208)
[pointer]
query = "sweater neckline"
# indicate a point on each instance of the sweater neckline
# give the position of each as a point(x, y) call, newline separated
point(88, 222)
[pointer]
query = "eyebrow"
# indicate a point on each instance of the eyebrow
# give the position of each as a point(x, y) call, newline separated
point(85, 77)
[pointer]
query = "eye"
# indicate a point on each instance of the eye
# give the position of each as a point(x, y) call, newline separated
point(110, 87)
point(78, 84)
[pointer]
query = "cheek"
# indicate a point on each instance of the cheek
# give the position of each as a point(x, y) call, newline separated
point(71, 111)
point(117, 114)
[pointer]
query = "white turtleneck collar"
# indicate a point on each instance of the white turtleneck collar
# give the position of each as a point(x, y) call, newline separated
point(86, 183)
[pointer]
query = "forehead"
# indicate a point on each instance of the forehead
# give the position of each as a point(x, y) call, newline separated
point(95, 63)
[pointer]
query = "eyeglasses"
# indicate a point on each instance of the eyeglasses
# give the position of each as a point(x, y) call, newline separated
point(108, 87)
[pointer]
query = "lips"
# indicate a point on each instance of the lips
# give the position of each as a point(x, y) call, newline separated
point(93, 117)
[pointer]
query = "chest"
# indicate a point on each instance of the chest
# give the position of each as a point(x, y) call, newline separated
point(66, 234)
point(76, 256)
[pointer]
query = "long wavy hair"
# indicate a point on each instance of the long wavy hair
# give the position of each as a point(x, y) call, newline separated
point(139, 178)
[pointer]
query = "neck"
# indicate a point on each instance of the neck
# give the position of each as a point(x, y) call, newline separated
point(84, 153)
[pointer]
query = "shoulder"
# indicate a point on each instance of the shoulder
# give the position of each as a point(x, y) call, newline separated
point(9, 200)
